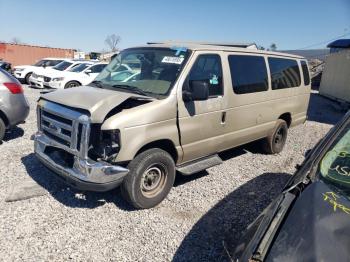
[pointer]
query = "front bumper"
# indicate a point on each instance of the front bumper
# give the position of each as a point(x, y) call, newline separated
point(56, 84)
point(38, 82)
point(85, 174)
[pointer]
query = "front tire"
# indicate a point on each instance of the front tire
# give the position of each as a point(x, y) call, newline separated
point(274, 143)
point(151, 177)
point(26, 78)
point(2, 129)
point(72, 84)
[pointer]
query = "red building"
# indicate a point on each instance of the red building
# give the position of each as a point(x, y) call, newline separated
point(18, 54)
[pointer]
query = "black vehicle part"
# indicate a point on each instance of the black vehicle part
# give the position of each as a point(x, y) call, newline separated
point(2, 129)
point(105, 144)
point(199, 164)
point(274, 142)
point(151, 177)
point(71, 84)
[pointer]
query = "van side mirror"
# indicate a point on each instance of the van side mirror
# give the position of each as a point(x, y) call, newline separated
point(197, 91)
point(88, 71)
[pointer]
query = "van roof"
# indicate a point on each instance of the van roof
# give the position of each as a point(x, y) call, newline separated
point(231, 47)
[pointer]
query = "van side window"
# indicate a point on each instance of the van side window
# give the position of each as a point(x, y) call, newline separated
point(284, 73)
point(208, 68)
point(305, 73)
point(248, 73)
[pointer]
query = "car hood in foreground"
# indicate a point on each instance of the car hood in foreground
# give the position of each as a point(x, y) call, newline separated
point(316, 229)
point(99, 102)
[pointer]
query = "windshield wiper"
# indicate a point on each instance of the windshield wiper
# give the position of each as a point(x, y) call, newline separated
point(133, 89)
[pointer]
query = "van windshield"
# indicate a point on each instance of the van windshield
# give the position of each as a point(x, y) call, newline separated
point(149, 71)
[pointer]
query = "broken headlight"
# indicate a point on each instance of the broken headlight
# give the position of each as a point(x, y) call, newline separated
point(107, 146)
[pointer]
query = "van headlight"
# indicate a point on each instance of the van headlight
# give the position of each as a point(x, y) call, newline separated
point(58, 79)
point(106, 147)
point(19, 69)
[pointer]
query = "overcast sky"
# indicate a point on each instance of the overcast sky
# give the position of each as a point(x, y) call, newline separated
point(85, 24)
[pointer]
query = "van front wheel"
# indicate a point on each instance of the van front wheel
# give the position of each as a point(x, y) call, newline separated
point(274, 143)
point(150, 179)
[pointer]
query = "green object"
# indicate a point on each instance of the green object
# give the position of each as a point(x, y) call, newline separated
point(335, 165)
point(214, 80)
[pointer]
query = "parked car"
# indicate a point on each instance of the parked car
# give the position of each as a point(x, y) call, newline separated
point(187, 104)
point(23, 72)
point(6, 66)
point(42, 77)
point(82, 74)
point(309, 220)
point(14, 107)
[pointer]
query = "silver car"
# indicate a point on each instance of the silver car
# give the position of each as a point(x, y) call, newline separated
point(14, 107)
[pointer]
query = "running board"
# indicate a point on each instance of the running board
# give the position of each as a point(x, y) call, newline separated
point(199, 165)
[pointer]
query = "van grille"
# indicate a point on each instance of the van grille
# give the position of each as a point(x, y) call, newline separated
point(66, 130)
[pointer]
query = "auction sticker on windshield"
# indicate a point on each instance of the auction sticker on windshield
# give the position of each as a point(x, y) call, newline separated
point(173, 60)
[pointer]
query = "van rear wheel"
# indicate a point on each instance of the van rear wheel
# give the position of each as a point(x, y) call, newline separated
point(2, 129)
point(150, 179)
point(275, 141)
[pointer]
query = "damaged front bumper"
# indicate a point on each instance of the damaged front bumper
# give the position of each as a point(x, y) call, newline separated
point(83, 173)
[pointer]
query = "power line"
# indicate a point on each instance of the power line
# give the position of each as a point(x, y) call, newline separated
point(324, 42)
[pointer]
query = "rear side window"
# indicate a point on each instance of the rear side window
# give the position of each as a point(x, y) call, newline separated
point(284, 73)
point(305, 73)
point(248, 74)
point(53, 62)
point(208, 68)
point(97, 68)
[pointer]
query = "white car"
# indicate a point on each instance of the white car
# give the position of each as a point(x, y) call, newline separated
point(82, 74)
point(41, 78)
point(23, 72)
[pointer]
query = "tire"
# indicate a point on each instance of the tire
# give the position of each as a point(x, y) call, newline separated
point(151, 177)
point(2, 129)
point(26, 78)
point(71, 84)
point(275, 141)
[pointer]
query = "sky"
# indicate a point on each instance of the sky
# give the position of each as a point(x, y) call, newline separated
point(85, 24)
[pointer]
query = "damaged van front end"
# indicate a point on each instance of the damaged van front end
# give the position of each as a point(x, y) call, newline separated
point(62, 145)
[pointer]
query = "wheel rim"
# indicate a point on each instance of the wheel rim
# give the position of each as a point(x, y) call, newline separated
point(279, 137)
point(153, 180)
point(72, 85)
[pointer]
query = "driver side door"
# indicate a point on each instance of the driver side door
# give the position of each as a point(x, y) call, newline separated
point(200, 122)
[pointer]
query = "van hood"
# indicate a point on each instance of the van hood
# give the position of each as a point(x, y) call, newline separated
point(99, 102)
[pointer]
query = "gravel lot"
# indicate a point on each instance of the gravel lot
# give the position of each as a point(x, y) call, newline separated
point(59, 223)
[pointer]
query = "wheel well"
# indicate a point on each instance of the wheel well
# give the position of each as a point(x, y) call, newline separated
point(165, 144)
point(4, 118)
point(286, 117)
point(73, 81)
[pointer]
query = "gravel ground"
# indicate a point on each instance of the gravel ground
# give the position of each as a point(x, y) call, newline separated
point(58, 223)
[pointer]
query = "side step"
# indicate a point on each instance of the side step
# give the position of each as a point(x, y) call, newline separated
point(199, 164)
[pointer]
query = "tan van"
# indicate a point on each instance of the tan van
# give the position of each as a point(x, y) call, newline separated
point(167, 107)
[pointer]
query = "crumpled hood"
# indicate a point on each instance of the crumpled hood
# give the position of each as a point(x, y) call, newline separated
point(316, 229)
point(99, 102)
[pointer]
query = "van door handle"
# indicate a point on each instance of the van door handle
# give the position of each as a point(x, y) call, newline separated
point(223, 118)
